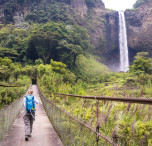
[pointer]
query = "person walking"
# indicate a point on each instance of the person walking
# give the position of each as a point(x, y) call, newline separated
point(29, 113)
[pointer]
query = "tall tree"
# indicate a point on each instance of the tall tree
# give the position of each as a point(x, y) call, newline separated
point(43, 45)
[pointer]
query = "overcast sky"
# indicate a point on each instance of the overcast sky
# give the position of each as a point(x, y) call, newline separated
point(119, 4)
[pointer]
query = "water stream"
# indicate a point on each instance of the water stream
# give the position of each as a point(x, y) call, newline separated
point(124, 59)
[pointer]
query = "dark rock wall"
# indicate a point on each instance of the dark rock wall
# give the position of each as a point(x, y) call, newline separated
point(112, 52)
point(139, 29)
point(1, 12)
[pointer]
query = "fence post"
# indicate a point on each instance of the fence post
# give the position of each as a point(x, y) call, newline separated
point(97, 127)
point(97, 134)
point(115, 140)
point(81, 136)
point(66, 130)
point(60, 122)
point(84, 108)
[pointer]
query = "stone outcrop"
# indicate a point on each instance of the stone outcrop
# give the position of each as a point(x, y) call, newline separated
point(139, 28)
point(1, 13)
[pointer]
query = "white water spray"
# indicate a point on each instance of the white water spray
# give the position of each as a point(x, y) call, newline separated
point(124, 60)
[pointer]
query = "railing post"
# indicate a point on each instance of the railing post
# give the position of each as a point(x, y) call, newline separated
point(66, 129)
point(97, 127)
point(51, 94)
point(60, 122)
point(84, 108)
point(115, 140)
point(52, 111)
point(97, 134)
point(70, 132)
point(56, 116)
point(54, 98)
point(97, 111)
point(81, 136)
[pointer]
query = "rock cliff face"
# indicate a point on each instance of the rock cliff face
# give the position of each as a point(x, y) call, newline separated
point(1, 13)
point(112, 36)
point(12, 11)
point(139, 29)
point(103, 29)
point(90, 17)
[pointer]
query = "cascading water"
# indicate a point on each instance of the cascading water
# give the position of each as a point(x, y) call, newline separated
point(124, 60)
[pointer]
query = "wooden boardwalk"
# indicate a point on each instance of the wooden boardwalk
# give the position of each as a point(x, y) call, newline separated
point(43, 133)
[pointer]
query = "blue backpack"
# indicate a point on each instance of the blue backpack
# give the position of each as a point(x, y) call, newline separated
point(30, 103)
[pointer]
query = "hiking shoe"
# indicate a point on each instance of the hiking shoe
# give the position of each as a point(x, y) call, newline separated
point(29, 136)
point(26, 138)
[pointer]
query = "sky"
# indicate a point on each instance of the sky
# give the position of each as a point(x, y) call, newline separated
point(119, 4)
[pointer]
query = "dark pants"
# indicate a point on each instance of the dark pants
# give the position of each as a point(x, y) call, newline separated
point(28, 121)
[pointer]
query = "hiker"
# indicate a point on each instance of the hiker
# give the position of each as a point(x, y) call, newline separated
point(29, 113)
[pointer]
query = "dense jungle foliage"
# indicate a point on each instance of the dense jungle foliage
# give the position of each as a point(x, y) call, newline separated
point(12, 74)
point(49, 41)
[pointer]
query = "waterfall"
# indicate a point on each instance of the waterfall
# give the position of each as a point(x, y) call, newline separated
point(124, 60)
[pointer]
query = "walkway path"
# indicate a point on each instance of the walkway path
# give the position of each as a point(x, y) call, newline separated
point(43, 133)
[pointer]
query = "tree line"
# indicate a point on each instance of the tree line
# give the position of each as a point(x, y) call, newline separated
point(52, 40)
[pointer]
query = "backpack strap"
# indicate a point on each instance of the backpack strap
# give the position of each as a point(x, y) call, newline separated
point(33, 102)
point(26, 103)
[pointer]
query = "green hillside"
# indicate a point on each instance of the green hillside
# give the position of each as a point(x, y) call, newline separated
point(90, 67)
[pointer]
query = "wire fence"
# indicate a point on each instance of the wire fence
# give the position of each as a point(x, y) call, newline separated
point(73, 131)
point(8, 115)
point(100, 120)
point(119, 118)
point(1, 85)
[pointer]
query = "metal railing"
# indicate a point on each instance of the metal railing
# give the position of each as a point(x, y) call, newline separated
point(117, 99)
point(71, 130)
point(1, 85)
point(77, 130)
point(138, 104)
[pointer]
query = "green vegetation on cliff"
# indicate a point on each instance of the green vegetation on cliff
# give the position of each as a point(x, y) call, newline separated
point(48, 11)
point(11, 6)
point(93, 3)
point(140, 3)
